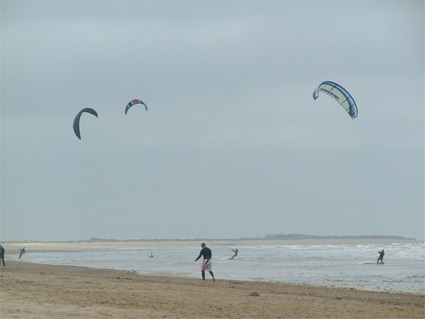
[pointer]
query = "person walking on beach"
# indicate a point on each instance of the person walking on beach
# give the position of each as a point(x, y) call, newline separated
point(206, 264)
point(2, 251)
point(381, 256)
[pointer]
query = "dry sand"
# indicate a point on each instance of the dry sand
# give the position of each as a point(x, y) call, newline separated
point(43, 291)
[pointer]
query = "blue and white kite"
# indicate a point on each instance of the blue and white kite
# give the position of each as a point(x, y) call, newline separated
point(340, 94)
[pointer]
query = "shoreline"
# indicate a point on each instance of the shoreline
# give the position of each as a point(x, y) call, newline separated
point(13, 250)
point(14, 247)
point(30, 290)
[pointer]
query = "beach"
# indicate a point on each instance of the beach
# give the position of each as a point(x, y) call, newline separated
point(30, 290)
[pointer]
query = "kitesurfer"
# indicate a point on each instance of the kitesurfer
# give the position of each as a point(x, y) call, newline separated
point(206, 264)
point(381, 256)
point(22, 251)
point(236, 253)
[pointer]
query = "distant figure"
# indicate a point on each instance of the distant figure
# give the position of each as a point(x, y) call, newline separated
point(236, 253)
point(2, 251)
point(206, 264)
point(151, 255)
point(22, 251)
point(381, 256)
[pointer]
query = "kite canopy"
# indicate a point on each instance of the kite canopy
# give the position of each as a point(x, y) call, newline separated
point(133, 102)
point(340, 94)
point(76, 124)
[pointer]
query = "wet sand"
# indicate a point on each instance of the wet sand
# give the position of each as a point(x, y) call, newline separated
point(44, 291)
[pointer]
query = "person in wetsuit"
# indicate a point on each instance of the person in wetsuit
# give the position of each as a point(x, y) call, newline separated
point(236, 253)
point(22, 251)
point(381, 256)
point(206, 264)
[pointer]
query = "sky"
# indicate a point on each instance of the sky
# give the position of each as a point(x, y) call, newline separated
point(233, 144)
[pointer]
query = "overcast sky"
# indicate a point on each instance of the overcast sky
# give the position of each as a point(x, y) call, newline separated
point(233, 144)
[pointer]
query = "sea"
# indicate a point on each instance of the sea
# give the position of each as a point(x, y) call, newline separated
point(331, 265)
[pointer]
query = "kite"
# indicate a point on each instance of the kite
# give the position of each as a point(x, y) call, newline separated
point(76, 124)
point(133, 102)
point(340, 94)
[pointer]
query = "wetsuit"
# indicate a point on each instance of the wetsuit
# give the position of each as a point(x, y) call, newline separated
point(22, 252)
point(381, 257)
point(236, 253)
point(206, 253)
